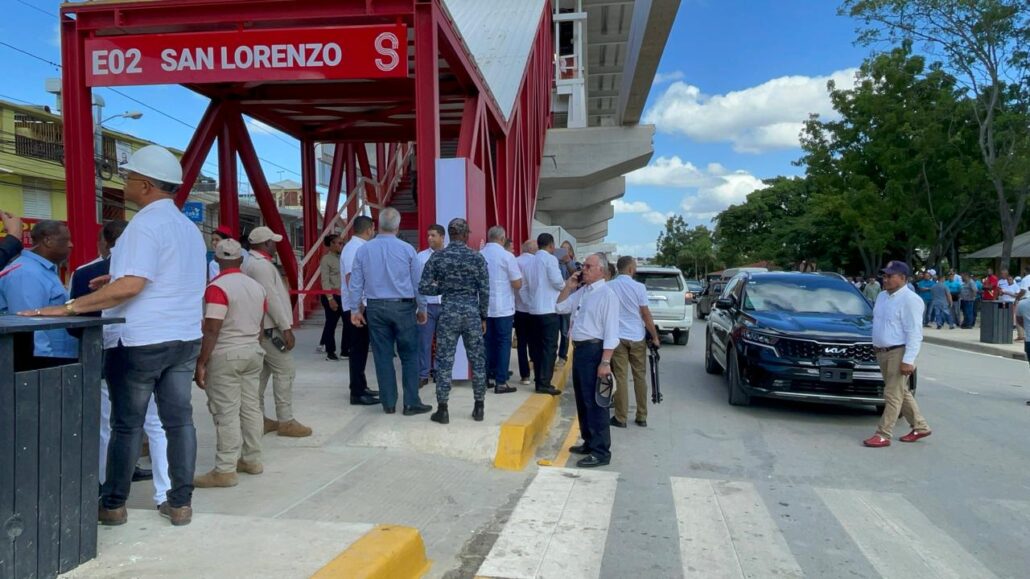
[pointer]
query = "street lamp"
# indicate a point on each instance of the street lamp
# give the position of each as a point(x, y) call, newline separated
point(98, 146)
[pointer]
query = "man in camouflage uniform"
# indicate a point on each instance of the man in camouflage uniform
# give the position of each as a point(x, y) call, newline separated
point(459, 275)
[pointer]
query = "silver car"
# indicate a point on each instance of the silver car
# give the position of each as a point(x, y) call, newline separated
point(667, 298)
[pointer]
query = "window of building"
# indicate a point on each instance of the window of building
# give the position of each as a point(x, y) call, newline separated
point(36, 198)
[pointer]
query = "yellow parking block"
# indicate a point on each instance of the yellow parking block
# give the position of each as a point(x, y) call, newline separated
point(385, 552)
point(524, 430)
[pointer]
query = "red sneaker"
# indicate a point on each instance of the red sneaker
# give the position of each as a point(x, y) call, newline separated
point(876, 441)
point(915, 435)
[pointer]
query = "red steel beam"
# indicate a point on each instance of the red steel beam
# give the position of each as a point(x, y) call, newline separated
point(199, 147)
point(453, 50)
point(79, 166)
point(351, 175)
point(228, 192)
point(427, 111)
point(366, 171)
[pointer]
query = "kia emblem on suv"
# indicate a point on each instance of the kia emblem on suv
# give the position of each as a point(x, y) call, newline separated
point(833, 350)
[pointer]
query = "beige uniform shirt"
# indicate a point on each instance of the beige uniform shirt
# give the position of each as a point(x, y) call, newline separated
point(263, 271)
point(330, 272)
point(240, 303)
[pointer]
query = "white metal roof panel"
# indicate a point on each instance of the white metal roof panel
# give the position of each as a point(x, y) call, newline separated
point(499, 35)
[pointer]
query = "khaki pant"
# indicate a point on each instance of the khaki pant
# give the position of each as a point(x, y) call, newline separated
point(630, 355)
point(278, 365)
point(898, 398)
point(232, 398)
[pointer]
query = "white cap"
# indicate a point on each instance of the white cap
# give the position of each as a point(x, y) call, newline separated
point(155, 162)
point(228, 249)
point(931, 271)
point(263, 234)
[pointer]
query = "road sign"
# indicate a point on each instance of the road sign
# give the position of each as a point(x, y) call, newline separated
point(338, 52)
point(194, 211)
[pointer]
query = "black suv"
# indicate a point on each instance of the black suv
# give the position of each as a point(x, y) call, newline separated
point(799, 336)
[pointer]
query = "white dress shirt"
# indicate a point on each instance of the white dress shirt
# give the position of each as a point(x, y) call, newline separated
point(423, 258)
point(595, 314)
point(632, 296)
point(165, 248)
point(542, 284)
point(1008, 291)
point(524, 261)
point(897, 320)
point(503, 270)
point(347, 264)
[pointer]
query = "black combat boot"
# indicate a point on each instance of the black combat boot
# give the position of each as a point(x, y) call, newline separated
point(441, 415)
point(477, 411)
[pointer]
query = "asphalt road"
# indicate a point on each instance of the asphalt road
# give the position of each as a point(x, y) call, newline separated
point(787, 489)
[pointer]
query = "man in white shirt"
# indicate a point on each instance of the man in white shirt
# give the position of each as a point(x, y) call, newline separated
point(523, 319)
point(542, 282)
point(157, 280)
point(427, 331)
point(634, 318)
point(595, 334)
point(897, 336)
point(360, 395)
point(505, 280)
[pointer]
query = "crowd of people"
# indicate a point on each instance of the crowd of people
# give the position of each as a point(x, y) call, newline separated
point(227, 326)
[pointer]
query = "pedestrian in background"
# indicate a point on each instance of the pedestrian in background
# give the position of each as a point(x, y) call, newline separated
point(459, 275)
point(940, 304)
point(523, 319)
point(595, 334)
point(229, 368)
point(897, 337)
point(542, 282)
point(277, 339)
point(954, 285)
point(565, 266)
point(505, 282)
point(989, 286)
point(329, 272)
point(631, 353)
point(386, 274)
point(10, 244)
point(358, 338)
point(923, 287)
point(427, 331)
point(217, 236)
point(967, 298)
point(1023, 319)
point(871, 289)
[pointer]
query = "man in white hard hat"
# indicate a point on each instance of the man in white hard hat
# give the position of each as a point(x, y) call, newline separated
point(157, 285)
point(277, 338)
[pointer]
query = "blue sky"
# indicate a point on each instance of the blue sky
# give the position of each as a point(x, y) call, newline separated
point(736, 79)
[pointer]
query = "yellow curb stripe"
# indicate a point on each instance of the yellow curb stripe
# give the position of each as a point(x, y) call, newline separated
point(570, 438)
point(524, 430)
point(385, 552)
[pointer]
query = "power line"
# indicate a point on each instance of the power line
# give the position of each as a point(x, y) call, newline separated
point(37, 8)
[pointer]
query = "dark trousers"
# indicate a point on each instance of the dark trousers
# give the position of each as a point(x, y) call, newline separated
point(498, 348)
point(593, 418)
point(329, 329)
point(968, 313)
point(544, 347)
point(426, 333)
point(358, 357)
point(134, 374)
point(524, 336)
point(563, 341)
point(392, 324)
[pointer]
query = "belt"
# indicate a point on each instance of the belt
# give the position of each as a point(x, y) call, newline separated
point(399, 300)
point(592, 341)
point(887, 349)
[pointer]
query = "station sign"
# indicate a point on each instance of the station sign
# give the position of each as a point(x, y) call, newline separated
point(341, 52)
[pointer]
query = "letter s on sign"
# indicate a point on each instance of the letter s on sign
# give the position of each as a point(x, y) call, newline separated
point(387, 45)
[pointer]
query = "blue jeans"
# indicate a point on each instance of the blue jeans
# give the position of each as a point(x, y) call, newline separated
point(392, 324)
point(940, 314)
point(425, 341)
point(165, 371)
point(498, 348)
point(594, 419)
point(968, 313)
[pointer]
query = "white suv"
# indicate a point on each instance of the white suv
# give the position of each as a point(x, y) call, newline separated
point(667, 297)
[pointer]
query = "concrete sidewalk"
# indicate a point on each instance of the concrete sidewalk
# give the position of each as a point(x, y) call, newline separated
point(360, 468)
point(970, 340)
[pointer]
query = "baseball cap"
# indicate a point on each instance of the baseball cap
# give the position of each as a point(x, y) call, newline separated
point(931, 271)
point(263, 234)
point(228, 249)
point(895, 267)
point(224, 231)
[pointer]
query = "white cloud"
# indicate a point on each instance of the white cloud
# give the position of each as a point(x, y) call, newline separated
point(756, 119)
point(713, 188)
point(630, 206)
point(664, 77)
point(648, 249)
point(733, 190)
point(672, 172)
point(657, 217)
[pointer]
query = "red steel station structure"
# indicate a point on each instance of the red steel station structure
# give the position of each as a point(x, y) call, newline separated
point(393, 74)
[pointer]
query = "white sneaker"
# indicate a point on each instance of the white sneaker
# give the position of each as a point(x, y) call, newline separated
point(527, 382)
point(320, 349)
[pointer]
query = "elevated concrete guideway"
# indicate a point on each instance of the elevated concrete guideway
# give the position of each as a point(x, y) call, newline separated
point(608, 51)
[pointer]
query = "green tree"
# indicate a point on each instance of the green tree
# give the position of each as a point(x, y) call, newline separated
point(692, 250)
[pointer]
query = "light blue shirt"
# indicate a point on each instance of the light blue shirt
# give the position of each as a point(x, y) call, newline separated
point(384, 268)
point(31, 282)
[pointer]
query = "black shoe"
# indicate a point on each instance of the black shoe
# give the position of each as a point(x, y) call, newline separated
point(504, 389)
point(640, 422)
point(616, 423)
point(142, 474)
point(368, 392)
point(364, 400)
point(441, 415)
point(548, 390)
point(592, 461)
point(579, 449)
point(477, 411)
point(389, 410)
point(422, 382)
point(491, 384)
point(417, 409)
point(332, 357)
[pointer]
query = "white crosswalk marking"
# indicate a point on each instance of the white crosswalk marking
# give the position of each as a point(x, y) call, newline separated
point(726, 531)
point(897, 538)
point(558, 529)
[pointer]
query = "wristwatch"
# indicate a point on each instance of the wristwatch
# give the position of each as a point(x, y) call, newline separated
point(68, 307)
point(606, 362)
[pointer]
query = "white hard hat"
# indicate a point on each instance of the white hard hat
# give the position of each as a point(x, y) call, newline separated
point(157, 163)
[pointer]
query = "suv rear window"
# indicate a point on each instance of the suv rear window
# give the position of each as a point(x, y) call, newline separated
point(660, 282)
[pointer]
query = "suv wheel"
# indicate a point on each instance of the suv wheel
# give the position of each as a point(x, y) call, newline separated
point(711, 366)
point(680, 337)
point(738, 397)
